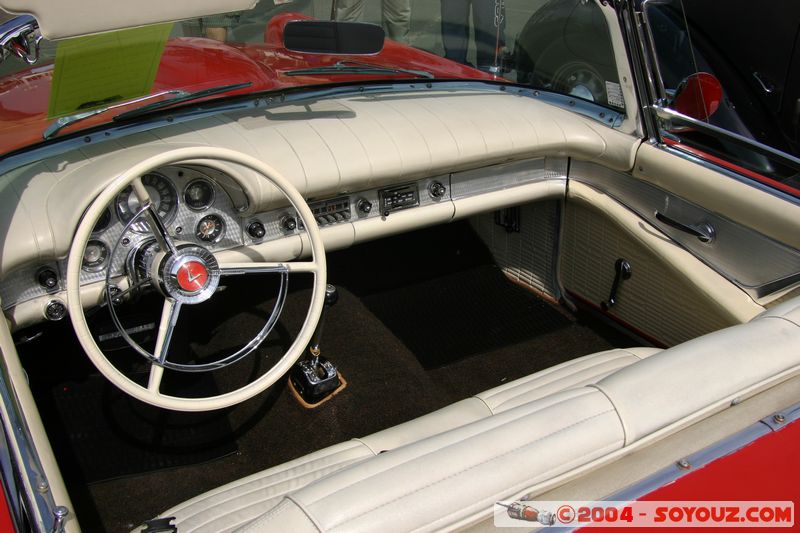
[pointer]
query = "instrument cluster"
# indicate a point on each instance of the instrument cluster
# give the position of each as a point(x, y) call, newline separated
point(193, 206)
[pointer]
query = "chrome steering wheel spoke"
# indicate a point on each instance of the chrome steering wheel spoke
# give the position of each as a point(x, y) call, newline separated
point(157, 228)
point(169, 319)
point(238, 269)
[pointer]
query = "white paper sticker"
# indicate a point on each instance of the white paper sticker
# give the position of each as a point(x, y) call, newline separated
point(614, 93)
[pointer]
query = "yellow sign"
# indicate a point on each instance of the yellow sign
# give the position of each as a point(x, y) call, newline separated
point(98, 70)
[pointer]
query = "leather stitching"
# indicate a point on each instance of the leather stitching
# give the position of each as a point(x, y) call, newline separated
point(540, 375)
point(230, 497)
point(593, 376)
point(472, 435)
point(460, 472)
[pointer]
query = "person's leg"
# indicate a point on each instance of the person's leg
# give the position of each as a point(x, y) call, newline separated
point(488, 37)
point(397, 19)
point(349, 10)
point(455, 29)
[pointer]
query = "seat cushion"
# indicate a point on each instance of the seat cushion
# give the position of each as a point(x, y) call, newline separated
point(436, 482)
point(235, 504)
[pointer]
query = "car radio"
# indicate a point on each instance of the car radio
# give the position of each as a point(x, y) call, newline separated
point(397, 198)
point(328, 212)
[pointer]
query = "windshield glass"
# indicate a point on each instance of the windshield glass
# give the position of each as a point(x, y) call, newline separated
point(562, 46)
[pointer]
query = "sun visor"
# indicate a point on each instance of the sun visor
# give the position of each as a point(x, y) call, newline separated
point(70, 18)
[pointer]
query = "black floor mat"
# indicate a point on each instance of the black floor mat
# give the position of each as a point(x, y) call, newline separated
point(424, 319)
point(464, 314)
point(110, 435)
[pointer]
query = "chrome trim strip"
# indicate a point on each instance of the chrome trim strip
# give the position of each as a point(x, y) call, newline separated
point(35, 489)
point(727, 172)
point(707, 455)
point(9, 481)
point(671, 116)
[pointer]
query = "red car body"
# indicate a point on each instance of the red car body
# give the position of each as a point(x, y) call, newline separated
point(24, 96)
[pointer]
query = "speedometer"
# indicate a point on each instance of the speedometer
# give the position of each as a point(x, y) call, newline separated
point(163, 195)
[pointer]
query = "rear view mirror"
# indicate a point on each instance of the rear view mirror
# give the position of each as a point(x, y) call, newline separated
point(332, 37)
point(698, 96)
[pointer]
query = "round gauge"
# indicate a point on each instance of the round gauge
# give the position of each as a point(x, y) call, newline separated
point(163, 195)
point(210, 228)
point(199, 195)
point(103, 222)
point(95, 256)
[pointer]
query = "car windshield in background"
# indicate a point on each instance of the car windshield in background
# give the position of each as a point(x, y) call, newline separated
point(558, 46)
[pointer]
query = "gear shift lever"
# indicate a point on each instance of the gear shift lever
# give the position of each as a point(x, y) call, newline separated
point(316, 379)
point(331, 297)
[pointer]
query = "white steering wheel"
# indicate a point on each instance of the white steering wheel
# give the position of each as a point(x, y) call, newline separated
point(187, 274)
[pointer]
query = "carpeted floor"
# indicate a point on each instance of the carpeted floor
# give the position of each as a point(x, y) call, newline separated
point(412, 332)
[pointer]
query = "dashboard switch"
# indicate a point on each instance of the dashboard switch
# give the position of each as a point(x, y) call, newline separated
point(55, 310)
point(364, 206)
point(256, 229)
point(436, 189)
point(48, 279)
point(288, 223)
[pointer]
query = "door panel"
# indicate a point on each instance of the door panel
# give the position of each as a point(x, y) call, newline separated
point(754, 262)
point(670, 297)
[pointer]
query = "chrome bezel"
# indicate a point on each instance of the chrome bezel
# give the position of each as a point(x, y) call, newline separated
point(221, 225)
point(140, 227)
point(102, 264)
point(108, 212)
point(204, 207)
point(168, 272)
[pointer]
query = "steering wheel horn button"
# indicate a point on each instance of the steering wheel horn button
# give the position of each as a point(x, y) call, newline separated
point(190, 276)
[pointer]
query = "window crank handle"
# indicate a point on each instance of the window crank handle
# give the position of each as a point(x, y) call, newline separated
point(623, 271)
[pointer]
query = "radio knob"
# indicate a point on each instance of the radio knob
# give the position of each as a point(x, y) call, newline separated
point(256, 230)
point(436, 189)
point(364, 205)
point(288, 223)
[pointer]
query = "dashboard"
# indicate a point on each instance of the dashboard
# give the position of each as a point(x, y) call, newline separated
point(368, 172)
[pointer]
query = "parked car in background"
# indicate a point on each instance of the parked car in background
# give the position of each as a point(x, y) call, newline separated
point(290, 275)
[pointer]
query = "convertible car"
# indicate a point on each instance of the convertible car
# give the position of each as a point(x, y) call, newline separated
point(264, 269)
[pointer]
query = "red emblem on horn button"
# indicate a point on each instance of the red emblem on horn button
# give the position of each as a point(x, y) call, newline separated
point(192, 276)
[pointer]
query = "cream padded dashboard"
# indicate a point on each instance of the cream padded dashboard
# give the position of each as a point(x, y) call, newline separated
point(327, 148)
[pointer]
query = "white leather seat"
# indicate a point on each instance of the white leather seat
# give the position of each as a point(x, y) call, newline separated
point(453, 479)
point(241, 502)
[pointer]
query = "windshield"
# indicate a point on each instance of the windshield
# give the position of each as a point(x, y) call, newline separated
point(562, 46)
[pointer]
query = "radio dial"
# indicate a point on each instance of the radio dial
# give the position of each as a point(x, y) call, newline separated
point(256, 229)
point(288, 223)
point(436, 189)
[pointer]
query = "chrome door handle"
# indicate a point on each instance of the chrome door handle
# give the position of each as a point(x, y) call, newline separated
point(704, 232)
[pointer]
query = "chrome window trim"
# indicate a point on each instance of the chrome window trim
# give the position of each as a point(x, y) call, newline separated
point(727, 172)
point(670, 116)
